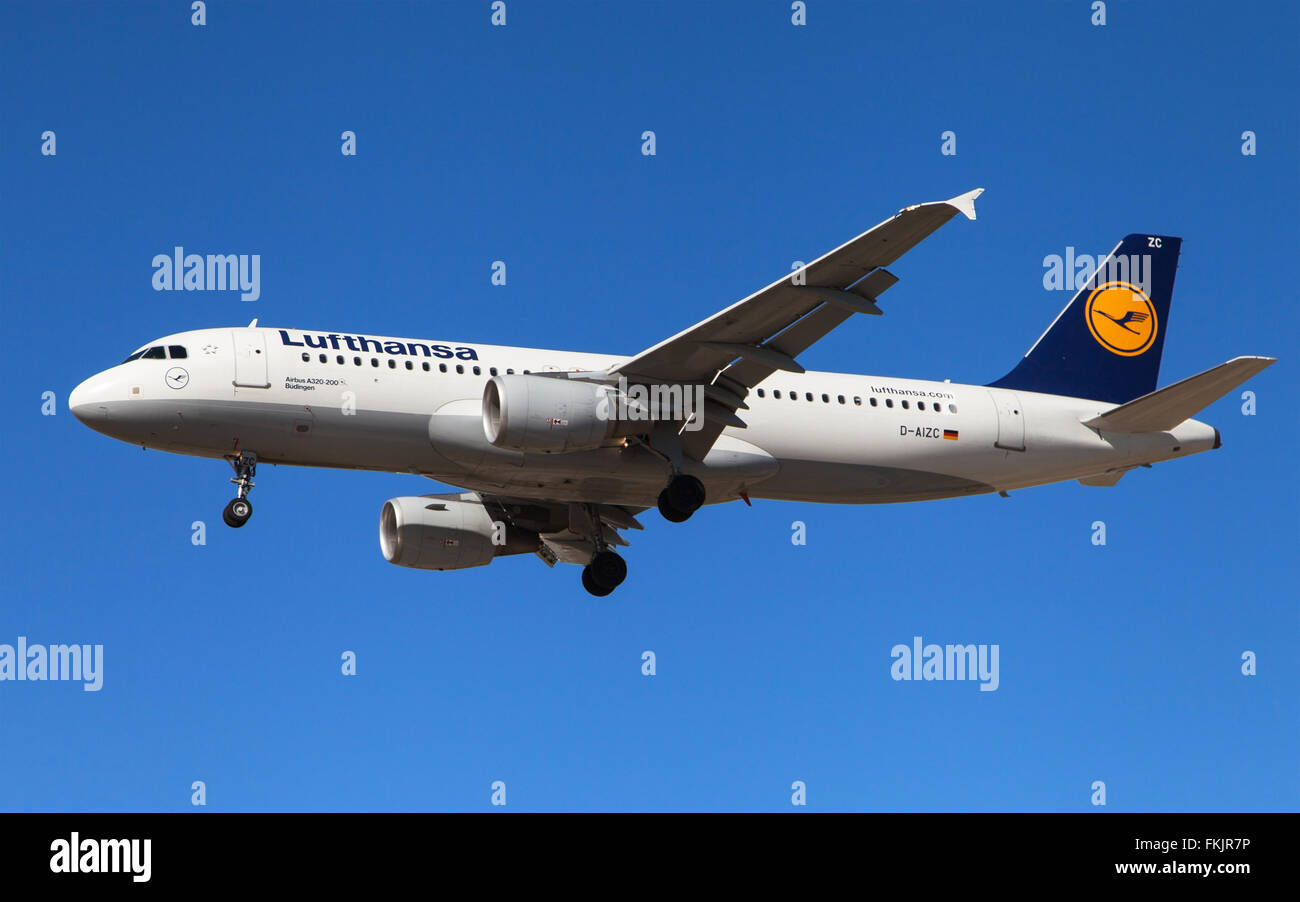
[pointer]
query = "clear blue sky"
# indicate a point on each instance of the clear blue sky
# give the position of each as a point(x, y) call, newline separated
point(775, 143)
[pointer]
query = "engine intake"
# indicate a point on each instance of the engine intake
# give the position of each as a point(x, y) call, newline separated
point(544, 414)
point(445, 532)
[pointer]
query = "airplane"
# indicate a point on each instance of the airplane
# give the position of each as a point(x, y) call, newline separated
point(558, 452)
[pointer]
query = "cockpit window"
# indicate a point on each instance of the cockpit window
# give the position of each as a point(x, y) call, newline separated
point(176, 352)
point(154, 353)
point(136, 355)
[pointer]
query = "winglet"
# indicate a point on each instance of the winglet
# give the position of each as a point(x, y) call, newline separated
point(965, 203)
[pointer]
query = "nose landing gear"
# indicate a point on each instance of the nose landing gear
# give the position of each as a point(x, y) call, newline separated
point(240, 509)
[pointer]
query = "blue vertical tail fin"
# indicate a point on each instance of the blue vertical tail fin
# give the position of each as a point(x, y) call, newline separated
point(1106, 344)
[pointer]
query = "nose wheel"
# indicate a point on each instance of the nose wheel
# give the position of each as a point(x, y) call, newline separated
point(240, 509)
point(237, 512)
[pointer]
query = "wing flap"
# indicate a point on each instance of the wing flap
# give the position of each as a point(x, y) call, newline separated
point(793, 341)
point(566, 531)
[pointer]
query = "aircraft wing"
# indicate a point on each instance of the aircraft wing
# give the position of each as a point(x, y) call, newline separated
point(734, 350)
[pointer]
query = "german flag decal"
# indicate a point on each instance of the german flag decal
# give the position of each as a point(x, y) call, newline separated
point(950, 433)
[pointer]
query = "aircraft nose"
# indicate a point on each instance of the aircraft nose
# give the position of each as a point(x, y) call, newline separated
point(89, 401)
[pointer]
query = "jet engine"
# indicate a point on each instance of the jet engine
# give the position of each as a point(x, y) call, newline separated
point(550, 414)
point(446, 532)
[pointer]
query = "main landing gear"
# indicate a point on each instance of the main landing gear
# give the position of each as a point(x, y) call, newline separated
point(240, 508)
point(606, 570)
point(682, 497)
point(605, 573)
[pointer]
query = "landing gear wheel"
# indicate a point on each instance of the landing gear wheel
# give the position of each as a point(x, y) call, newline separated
point(237, 512)
point(608, 569)
point(683, 496)
point(686, 493)
point(670, 513)
point(591, 586)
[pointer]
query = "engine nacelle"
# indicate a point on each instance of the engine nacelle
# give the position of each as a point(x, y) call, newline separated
point(545, 414)
point(444, 532)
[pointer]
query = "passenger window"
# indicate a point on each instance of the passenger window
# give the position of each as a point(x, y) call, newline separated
point(889, 402)
point(442, 367)
point(477, 371)
point(357, 361)
point(409, 365)
point(306, 358)
point(509, 372)
point(154, 353)
point(794, 396)
point(374, 361)
point(339, 359)
point(952, 408)
point(493, 371)
point(460, 370)
point(176, 352)
point(760, 393)
point(840, 398)
point(873, 401)
point(826, 399)
point(392, 364)
point(807, 396)
point(857, 402)
point(324, 359)
point(905, 407)
point(776, 393)
point(920, 405)
point(425, 365)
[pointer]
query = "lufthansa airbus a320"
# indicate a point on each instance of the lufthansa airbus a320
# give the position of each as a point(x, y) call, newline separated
point(560, 452)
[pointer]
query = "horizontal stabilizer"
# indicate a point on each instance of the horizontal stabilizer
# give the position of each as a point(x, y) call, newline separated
point(1109, 478)
point(1162, 410)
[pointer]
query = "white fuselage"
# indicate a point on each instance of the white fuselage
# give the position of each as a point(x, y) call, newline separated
point(357, 403)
